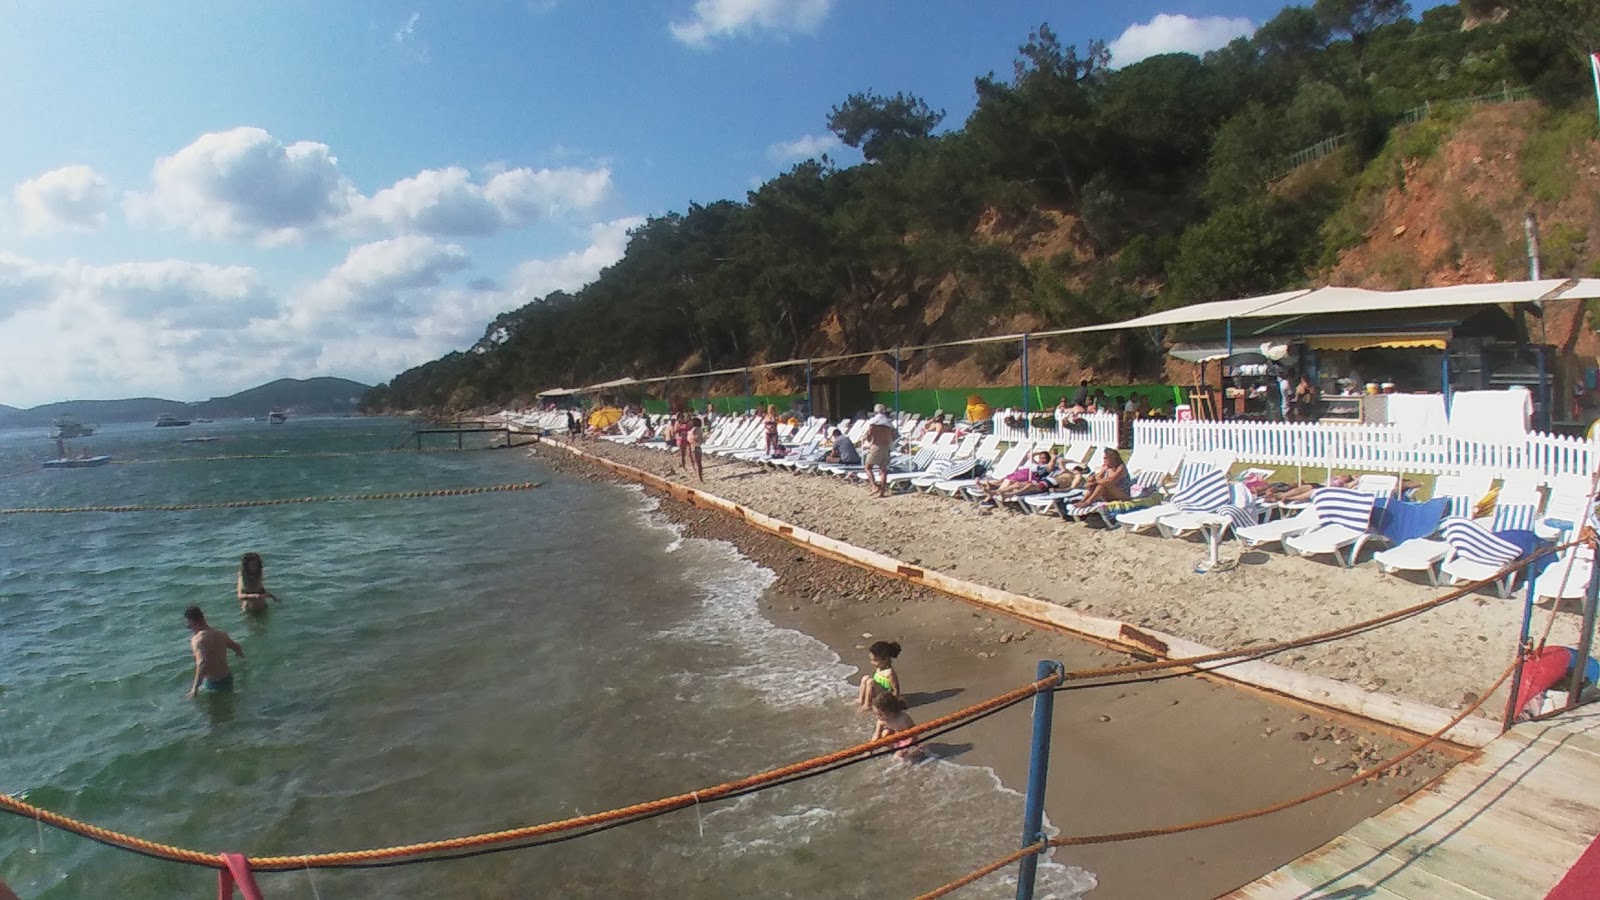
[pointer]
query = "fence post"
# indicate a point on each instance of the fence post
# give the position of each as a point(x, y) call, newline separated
point(1026, 426)
point(1038, 773)
point(1515, 700)
point(897, 385)
point(1591, 597)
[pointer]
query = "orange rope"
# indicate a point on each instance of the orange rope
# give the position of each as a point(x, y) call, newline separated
point(1119, 836)
point(681, 801)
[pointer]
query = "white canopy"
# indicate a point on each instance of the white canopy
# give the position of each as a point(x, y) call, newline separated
point(620, 382)
point(1200, 312)
point(557, 392)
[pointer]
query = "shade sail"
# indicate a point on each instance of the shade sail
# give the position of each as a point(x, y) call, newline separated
point(557, 392)
point(1199, 353)
point(1200, 312)
point(1369, 341)
point(620, 382)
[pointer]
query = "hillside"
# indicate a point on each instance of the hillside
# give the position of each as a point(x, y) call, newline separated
point(1077, 193)
point(312, 396)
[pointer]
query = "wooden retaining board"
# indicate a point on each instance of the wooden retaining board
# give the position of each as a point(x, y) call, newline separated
point(1505, 826)
point(1419, 718)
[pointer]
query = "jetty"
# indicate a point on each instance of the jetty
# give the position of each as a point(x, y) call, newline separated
point(1507, 825)
point(461, 428)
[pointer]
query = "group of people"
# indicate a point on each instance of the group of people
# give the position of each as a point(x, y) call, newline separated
point(880, 695)
point(210, 645)
point(1046, 471)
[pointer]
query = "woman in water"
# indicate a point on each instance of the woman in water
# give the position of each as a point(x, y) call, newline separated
point(250, 588)
point(882, 680)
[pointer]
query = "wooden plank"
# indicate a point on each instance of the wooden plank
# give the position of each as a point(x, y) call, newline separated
point(1466, 854)
point(1515, 826)
point(1352, 868)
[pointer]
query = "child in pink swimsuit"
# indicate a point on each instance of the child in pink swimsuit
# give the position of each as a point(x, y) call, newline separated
point(892, 717)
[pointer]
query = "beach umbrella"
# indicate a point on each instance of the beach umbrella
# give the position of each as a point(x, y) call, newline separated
point(605, 417)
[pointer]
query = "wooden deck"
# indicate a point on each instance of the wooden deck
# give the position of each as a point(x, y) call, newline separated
point(1505, 826)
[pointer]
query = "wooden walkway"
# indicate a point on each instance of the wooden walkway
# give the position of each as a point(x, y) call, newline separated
point(1505, 826)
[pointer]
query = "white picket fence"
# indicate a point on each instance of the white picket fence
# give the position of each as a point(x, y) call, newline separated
point(1376, 448)
point(1099, 429)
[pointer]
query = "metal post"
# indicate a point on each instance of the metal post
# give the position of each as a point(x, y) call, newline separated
point(749, 399)
point(810, 408)
point(1591, 597)
point(1444, 375)
point(1530, 228)
point(1543, 422)
point(1026, 425)
point(1514, 702)
point(1038, 773)
point(897, 385)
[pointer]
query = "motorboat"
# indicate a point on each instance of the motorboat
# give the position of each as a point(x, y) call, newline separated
point(76, 462)
point(66, 428)
point(277, 417)
point(166, 421)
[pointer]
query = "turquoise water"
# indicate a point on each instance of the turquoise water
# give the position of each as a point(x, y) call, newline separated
point(437, 667)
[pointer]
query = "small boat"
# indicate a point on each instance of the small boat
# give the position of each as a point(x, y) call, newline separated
point(166, 421)
point(277, 417)
point(66, 428)
point(76, 462)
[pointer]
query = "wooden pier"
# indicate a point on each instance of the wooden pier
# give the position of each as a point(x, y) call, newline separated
point(460, 429)
point(1506, 825)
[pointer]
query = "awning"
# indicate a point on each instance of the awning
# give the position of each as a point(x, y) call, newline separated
point(557, 392)
point(1200, 312)
point(1199, 353)
point(620, 382)
point(1369, 341)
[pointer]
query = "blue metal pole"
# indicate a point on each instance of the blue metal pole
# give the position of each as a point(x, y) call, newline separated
point(1513, 702)
point(809, 410)
point(1444, 375)
point(1026, 426)
point(1038, 774)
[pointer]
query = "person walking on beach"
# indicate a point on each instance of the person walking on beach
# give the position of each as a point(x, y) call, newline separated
point(769, 428)
point(883, 679)
point(680, 436)
point(892, 717)
point(210, 647)
point(879, 442)
point(693, 439)
point(250, 587)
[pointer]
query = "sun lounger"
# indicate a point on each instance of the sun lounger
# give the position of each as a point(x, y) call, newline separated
point(1206, 493)
point(1479, 555)
point(1344, 524)
point(1275, 531)
point(1568, 505)
point(1567, 577)
point(1005, 465)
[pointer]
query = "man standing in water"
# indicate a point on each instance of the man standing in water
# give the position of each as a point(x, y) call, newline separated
point(210, 646)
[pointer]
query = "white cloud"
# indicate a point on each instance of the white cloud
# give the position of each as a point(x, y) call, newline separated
point(1168, 33)
point(447, 201)
point(244, 183)
point(380, 279)
point(808, 146)
point(68, 198)
point(537, 277)
point(713, 19)
point(405, 39)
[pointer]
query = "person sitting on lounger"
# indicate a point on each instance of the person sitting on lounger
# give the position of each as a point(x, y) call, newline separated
point(843, 450)
point(1112, 482)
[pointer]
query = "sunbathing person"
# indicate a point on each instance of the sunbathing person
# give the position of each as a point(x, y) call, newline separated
point(1030, 479)
point(1112, 482)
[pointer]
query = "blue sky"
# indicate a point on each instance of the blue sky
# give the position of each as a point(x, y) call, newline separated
point(199, 197)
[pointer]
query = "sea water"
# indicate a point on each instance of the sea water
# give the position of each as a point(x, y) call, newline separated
point(437, 667)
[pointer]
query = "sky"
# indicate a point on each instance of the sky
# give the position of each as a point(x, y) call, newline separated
point(196, 198)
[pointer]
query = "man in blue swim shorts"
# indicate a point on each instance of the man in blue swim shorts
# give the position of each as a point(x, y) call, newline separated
point(210, 646)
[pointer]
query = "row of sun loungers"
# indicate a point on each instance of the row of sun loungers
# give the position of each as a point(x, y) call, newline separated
point(1184, 494)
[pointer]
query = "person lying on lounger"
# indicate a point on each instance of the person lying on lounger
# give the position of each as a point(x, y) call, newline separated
point(1034, 478)
point(1112, 482)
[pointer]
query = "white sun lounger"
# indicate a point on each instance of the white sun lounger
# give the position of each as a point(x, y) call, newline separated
point(1480, 555)
point(1005, 465)
point(1344, 523)
point(1275, 531)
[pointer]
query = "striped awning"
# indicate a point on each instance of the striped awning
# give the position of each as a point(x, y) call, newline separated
point(1436, 341)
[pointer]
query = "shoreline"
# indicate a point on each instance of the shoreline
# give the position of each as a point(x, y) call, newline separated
point(1115, 764)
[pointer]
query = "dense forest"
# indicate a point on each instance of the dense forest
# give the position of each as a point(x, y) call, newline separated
point(1158, 184)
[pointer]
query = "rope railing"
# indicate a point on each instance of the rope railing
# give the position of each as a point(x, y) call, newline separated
point(1217, 821)
point(280, 501)
point(564, 829)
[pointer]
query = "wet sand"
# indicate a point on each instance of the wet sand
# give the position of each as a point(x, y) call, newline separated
point(1126, 756)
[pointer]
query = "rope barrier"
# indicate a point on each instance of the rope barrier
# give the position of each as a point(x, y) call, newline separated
point(307, 455)
point(426, 851)
point(1217, 821)
point(282, 501)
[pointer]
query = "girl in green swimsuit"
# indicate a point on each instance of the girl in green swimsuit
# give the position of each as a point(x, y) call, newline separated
point(882, 680)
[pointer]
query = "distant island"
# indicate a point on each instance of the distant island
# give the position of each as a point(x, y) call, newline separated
point(302, 397)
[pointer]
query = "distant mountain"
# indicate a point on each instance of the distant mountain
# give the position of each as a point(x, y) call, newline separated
point(311, 396)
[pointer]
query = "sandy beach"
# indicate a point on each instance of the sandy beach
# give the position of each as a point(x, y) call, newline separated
point(1126, 756)
point(1444, 657)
